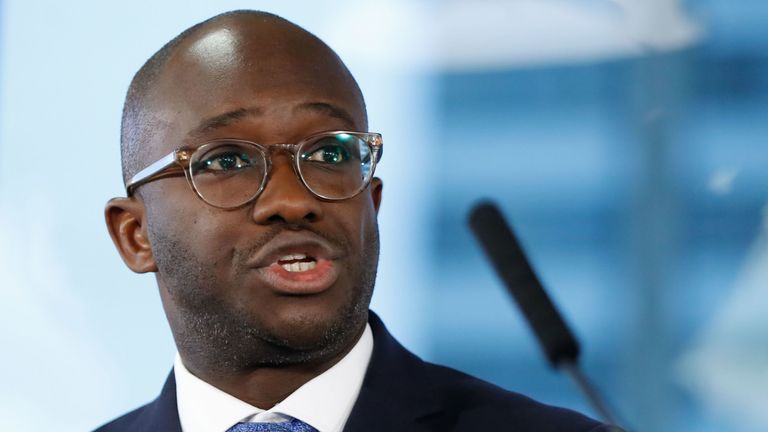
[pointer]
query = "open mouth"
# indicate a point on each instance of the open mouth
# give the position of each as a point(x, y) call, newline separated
point(297, 263)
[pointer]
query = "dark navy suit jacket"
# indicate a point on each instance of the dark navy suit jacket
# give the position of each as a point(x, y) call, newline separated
point(402, 393)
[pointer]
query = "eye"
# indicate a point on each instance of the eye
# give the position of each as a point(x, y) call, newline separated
point(225, 161)
point(328, 152)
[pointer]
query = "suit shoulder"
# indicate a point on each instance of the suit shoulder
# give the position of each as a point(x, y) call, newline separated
point(480, 404)
point(126, 422)
point(159, 415)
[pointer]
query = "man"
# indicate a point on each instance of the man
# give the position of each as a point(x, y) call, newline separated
point(249, 173)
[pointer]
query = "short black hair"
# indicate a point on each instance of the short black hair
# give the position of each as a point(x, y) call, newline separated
point(137, 123)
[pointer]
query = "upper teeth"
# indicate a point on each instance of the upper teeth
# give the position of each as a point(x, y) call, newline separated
point(293, 257)
point(299, 266)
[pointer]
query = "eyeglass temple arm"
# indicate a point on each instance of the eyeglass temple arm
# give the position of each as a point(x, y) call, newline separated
point(377, 145)
point(168, 166)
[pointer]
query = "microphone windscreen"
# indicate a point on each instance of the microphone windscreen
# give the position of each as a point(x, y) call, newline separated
point(509, 260)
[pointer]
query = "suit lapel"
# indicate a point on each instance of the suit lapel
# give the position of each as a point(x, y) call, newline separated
point(161, 414)
point(395, 394)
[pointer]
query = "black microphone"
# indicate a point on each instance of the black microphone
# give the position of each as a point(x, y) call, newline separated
point(556, 339)
point(512, 265)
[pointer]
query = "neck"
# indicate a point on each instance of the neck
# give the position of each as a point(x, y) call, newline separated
point(263, 386)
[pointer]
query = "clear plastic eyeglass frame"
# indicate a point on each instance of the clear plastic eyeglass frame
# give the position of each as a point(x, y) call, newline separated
point(178, 161)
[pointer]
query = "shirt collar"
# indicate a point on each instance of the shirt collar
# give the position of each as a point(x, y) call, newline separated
point(324, 402)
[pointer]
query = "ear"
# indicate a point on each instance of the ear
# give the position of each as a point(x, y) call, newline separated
point(376, 187)
point(128, 229)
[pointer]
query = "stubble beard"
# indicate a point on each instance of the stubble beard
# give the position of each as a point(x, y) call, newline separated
point(221, 338)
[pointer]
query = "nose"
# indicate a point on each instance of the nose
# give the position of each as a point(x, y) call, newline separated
point(285, 199)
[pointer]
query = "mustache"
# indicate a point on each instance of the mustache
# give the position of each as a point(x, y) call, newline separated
point(263, 240)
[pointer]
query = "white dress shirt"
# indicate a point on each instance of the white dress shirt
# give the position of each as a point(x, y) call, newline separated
point(324, 402)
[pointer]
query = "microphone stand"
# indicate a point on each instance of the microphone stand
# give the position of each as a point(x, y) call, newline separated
point(589, 391)
point(555, 337)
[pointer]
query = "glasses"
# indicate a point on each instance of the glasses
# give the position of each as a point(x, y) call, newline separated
point(229, 173)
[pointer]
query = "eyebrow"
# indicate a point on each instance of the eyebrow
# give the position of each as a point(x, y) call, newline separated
point(227, 118)
point(327, 109)
point(222, 120)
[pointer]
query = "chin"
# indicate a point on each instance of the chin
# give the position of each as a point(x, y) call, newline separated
point(318, 331)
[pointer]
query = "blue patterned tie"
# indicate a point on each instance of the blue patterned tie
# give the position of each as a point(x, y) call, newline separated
point(295, 425)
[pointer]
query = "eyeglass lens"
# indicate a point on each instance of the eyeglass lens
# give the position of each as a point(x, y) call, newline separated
point(229, 174)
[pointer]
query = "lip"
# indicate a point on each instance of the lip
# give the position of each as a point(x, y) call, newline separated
point(314, 281)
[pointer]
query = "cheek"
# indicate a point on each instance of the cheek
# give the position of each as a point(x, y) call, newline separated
point(360, 220)
point(183, 232)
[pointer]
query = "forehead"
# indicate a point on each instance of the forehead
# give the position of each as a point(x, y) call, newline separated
point(268, 69)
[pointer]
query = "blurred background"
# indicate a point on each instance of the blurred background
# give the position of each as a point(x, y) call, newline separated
point(624, 139)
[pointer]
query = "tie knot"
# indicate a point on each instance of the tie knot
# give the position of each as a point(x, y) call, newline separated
point(294, 425)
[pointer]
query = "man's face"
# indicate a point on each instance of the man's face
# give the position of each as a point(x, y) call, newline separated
point(224, 275)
